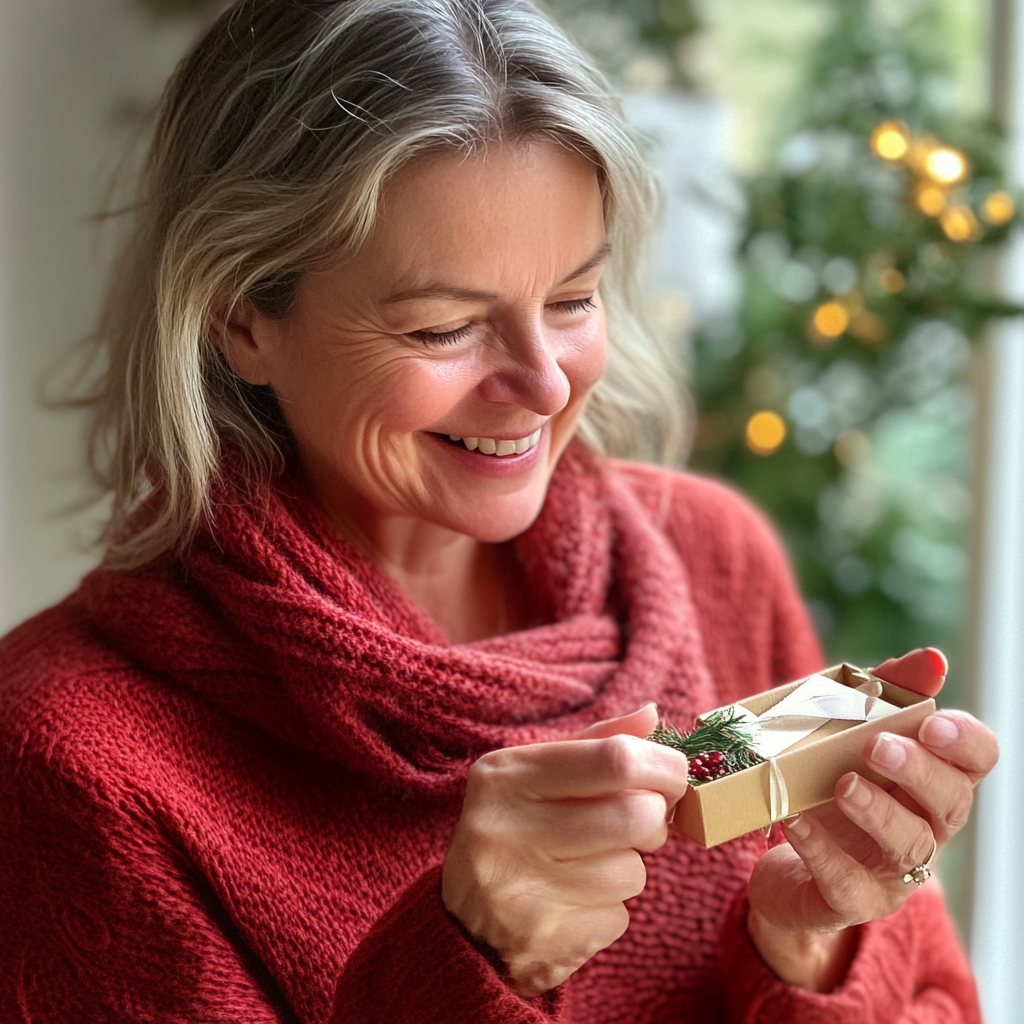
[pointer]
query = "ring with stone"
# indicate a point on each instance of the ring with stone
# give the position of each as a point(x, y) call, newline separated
point(923, 872)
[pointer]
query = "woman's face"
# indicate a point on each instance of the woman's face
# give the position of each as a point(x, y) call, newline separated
point(439, 374)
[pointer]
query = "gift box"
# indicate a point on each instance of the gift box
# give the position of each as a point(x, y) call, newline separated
point(806, 750)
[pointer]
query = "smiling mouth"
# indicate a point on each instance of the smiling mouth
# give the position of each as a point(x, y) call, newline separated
point(493, 446)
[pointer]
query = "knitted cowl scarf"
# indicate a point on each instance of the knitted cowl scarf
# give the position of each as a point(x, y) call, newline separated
point(273, 617)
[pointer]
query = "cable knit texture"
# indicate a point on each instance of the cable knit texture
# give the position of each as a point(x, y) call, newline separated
point(228, 780)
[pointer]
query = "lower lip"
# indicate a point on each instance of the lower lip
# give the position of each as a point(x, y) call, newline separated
point(498, 466)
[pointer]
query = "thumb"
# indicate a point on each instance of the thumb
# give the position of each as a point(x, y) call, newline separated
point(923, 671)
point(641, 722)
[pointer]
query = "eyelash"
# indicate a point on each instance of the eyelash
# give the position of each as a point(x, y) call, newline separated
point(453, 337)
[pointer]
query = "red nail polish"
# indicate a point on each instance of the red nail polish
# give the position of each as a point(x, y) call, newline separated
point(938, 661)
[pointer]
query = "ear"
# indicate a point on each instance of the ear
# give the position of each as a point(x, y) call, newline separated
point(248, 340)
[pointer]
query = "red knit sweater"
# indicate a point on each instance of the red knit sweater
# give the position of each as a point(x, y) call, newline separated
point(228, 781)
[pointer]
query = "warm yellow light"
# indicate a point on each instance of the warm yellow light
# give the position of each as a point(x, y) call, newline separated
point(765, 432)
point(960, 224)
point(830, 320)
point(931, 200)
point(999, 208)
point(890, 141)
point(892, 281)
point(945, 165)
point(920, 149)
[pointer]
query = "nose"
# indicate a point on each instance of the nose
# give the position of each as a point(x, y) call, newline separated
point(527, 371)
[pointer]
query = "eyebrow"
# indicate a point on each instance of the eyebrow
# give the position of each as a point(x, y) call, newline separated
point(449, 291)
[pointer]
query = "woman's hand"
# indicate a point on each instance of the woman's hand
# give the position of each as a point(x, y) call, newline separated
point(546, 850)
point(845, 861)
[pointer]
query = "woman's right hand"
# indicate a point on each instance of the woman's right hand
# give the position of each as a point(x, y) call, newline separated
point(547, 848)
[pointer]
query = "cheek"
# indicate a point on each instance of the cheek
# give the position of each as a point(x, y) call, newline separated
point(585, 357)
point(354, 395)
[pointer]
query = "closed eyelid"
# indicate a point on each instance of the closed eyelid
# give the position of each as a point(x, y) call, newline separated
point(580, 304)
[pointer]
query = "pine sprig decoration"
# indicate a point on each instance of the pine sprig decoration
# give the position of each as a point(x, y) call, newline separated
point(715, 748)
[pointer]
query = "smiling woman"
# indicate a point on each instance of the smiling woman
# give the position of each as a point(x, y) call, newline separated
point(350, 724)
point(433, 332)
point(258, 176)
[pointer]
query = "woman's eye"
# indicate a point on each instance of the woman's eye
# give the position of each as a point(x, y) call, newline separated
point(441, 337)
point(575, 305)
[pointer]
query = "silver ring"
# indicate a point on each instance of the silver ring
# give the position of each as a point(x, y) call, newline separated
point(923, 872)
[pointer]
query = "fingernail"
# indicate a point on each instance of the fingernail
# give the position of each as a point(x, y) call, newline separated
point(889, 751)
point(797, 825)
point(857, 792)
point(939, 731)
point(938, 660)
point(670, 814)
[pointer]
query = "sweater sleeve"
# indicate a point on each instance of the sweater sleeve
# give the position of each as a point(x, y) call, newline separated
point(909, 969)
point(105, 920)
point(417, 966)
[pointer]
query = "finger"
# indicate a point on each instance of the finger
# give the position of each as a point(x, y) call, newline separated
point(570, 829)
point(904, 838)
point(941, 790)
point(962, 740)
point(601, 879)
point(923, 671)
point(588, 768)
point(841, 887)
point(641, 722)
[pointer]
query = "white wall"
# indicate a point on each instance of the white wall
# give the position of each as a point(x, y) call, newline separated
point(69, 69)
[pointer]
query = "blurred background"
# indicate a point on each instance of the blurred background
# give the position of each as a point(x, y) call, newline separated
point(838, 259)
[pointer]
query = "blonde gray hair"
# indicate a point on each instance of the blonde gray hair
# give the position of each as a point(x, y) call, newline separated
point(275, 137)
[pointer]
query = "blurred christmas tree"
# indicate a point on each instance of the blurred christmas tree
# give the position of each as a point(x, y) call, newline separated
point(838, 397)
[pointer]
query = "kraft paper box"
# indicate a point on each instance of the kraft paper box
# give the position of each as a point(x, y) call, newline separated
point(725, 808)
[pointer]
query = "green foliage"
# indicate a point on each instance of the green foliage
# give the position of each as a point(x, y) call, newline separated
point(718, 731)
point(858, 309)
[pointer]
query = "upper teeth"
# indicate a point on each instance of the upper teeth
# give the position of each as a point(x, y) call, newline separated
point(490, 446)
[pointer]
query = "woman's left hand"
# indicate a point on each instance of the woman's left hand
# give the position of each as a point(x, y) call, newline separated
point(846, 860)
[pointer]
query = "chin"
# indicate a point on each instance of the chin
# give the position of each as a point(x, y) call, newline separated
point(500, 521)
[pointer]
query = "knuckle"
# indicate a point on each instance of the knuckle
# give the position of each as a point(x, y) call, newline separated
point(925, 770)
point(647, 812)
point(885, 811)
point(486, 768)
point(634, 875)
point(921, 848)
point(959, 809)
point(623, 757)
point(647, 827)
point(616, 923)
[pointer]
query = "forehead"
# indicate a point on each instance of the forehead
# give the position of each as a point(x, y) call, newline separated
point(507, 204)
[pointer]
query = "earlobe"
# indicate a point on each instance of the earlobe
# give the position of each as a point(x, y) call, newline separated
point(244, 338)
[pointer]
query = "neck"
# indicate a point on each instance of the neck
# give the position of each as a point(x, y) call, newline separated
point(470, 588)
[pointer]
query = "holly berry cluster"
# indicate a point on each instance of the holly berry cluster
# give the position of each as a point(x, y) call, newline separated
point(708, 766)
